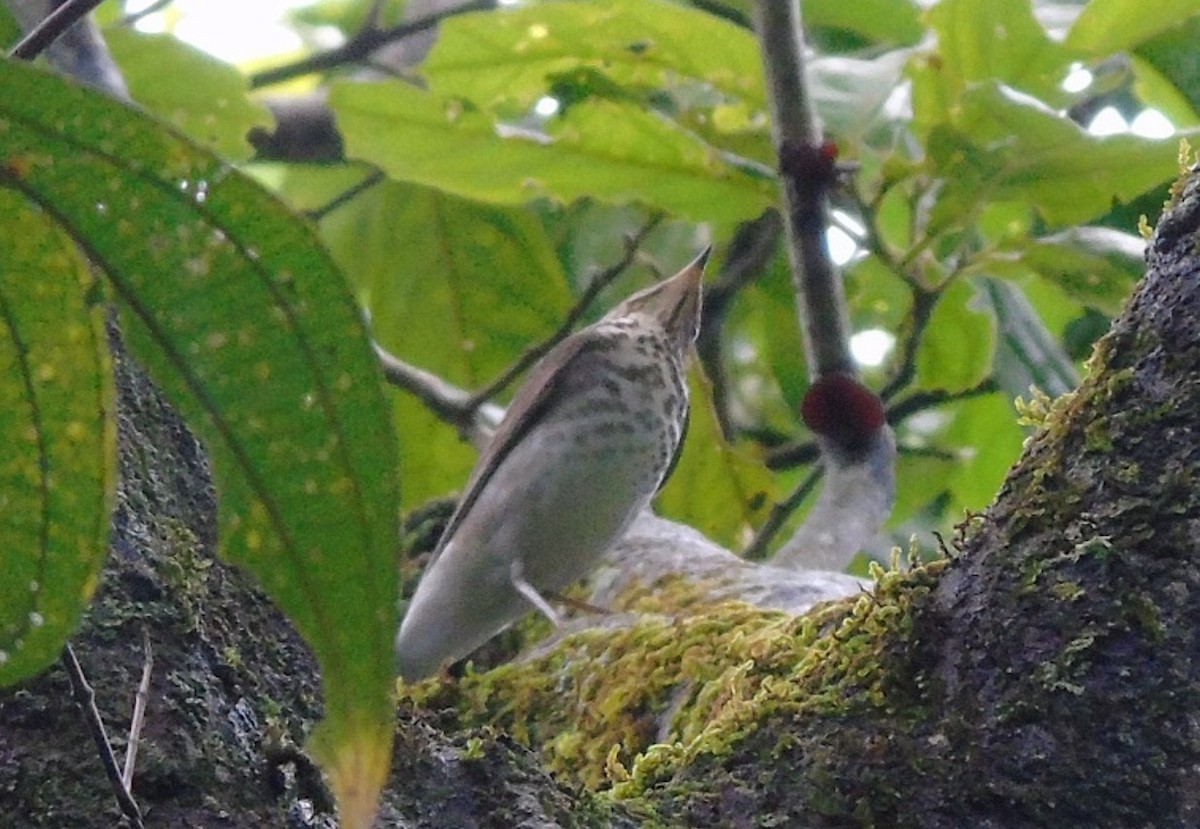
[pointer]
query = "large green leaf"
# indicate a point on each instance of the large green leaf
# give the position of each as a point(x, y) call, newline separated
point(996, 40)
point(56, 425)
point(609, 151)
point(1107, 26)
point(510, 53)
point(248, 327)
point(1027, 355)
point(487, 284)
point(207, 99)
point(1172, 53)
point(1005, 146)
point(986, 430)
point(1095, 265)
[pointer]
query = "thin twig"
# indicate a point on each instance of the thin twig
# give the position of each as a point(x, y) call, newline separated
point(131, 20)
point(346, 196)
point(923, 400)
point(359, 47)
point(447, 401)
point(85, 698)
point(52, 28)
point(757, 549)
point(752, 248)
point(923, 302)
point(598, 283)
point(139, 711)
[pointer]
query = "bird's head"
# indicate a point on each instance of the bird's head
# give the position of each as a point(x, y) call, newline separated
point(673, 304)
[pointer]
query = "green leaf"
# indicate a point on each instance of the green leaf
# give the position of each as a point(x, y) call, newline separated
point(884, 21)
point(56, 423)
point(716, 488)
point(1096, 265)
point(986, 429)
point(206, 99)
point(1155, 89)
point(462, 298)
point(1107, 26)
point(1008, 147)
point(509, 54)
point(956, 350)
point(612, 152)
point(249, 329)
point(851, 94)
point(1172, 53)
point(996, 40)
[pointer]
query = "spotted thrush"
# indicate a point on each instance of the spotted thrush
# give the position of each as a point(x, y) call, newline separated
point(589, 438)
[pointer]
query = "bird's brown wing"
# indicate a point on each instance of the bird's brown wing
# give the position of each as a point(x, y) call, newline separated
point(540, 391)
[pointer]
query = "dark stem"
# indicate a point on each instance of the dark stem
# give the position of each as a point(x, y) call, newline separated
point(346, 196)
point(749, 253)
point(131, 20)
point(85, 698)
point(757, 549)
point(52, 28)
point(922, 310)
point(359, 47)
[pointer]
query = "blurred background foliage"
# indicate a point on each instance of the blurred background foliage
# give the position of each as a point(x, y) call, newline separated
point(997, 155)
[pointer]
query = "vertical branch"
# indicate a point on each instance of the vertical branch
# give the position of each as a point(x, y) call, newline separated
point(807, 171)
point(858, 450)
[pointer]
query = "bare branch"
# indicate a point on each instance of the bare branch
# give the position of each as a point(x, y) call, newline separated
point(923, 302)
point(751, 249)
point(447, 401)
point(131, 20)
point(85, 698)
point(469, 412)
point(139, 711)
point(52, 28)
point(757, 549)
point(807, 170)
point(359, 47)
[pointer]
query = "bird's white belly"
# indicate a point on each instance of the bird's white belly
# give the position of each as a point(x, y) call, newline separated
point(565, 504)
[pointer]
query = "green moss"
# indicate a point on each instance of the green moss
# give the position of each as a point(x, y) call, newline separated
point(595, 704)
point(1068, 591)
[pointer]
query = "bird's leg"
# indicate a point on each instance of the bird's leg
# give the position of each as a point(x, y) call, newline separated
point(580, 604)
point(516, 574)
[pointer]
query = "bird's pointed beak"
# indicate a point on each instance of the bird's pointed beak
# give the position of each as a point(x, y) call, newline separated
point(679, 311)
point(674, 302)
